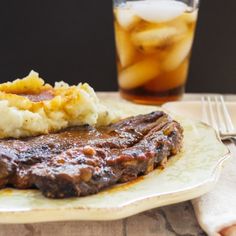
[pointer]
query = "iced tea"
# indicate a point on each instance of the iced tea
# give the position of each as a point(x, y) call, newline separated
point(153, 42)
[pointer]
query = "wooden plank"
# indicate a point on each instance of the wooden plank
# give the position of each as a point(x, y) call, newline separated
point(114, 228)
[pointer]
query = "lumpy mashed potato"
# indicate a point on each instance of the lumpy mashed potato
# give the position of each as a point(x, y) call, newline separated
point(30, 107)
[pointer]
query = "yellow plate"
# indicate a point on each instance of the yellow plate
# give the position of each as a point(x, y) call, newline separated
point(188, 175)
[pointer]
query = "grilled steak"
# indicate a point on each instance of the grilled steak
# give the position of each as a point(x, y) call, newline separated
point(83, 160)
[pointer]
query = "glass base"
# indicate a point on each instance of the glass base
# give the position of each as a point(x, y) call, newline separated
point(152, 98)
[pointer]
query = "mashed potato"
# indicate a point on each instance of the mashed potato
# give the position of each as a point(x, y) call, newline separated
point(30, 107)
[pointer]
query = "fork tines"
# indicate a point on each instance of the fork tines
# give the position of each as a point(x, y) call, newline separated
point(216, 114)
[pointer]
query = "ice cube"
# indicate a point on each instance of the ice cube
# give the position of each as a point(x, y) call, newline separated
point(139, 74)
point(180, 24)
point(156, 37)
point(190, 17)
point(125, 48)
point(126, 18)
point(158, 11)
point(178, 52)
point(169, 80)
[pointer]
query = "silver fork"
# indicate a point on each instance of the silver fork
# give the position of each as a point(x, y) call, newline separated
point(216, 114)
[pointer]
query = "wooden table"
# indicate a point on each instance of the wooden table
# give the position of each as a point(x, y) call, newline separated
point(171, 220)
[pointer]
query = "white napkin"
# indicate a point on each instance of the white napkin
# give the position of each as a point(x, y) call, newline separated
point(216, 210)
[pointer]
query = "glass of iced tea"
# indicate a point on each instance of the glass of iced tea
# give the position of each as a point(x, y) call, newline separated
point(153, 43)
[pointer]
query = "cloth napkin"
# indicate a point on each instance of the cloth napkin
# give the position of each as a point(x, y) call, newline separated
point(216, 210)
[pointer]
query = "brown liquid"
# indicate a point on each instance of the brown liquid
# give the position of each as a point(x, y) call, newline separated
point(152, 57)
point(141, 96)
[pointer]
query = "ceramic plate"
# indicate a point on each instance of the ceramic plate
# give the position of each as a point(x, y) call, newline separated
point(188, 175)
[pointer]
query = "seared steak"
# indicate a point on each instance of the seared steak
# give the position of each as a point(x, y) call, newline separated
point(83, 160)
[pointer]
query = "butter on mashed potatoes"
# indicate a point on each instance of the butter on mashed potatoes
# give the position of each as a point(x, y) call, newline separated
point(29, 107)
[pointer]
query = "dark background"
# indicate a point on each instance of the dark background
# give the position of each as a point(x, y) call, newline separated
point(73, 41)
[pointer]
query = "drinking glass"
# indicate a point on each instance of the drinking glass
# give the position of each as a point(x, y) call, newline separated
point(153, 44)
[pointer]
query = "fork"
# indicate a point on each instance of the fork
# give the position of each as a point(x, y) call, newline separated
point(216, 114)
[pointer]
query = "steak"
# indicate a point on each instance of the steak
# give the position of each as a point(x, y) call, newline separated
point(84, 160)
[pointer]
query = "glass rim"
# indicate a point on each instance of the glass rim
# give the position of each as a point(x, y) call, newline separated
point(194, 4)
